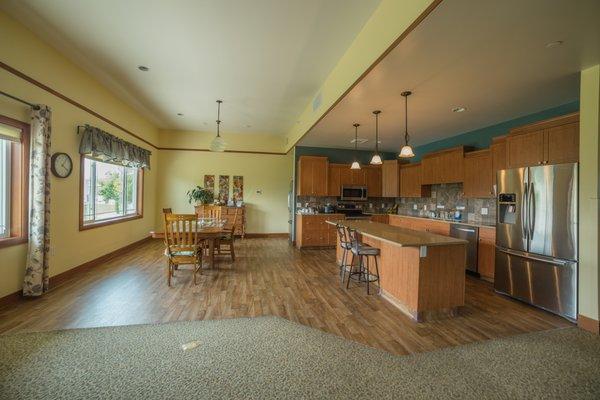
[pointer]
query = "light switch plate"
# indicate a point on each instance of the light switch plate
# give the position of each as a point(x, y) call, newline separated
point(415, 207)
point(484, 211)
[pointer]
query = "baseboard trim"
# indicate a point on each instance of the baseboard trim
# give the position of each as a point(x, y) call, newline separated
point(267, 235)
point(588, 324)
point(57, 280)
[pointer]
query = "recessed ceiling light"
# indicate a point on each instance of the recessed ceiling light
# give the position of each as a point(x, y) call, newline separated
point(554, 44)
point(458, 109)
point(180, 114)
point(143, 68)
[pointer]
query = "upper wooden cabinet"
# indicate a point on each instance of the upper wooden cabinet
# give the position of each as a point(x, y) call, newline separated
point(410, 181)
point(341, 175)
point(372, 179)
point(390, 179)
point(478, 174)
point(552, 141)
point(444, 166)
point(312, 176)
point(498, 149)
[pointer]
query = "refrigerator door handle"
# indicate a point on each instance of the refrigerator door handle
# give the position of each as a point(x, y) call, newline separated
point(547, 260)
point(524, 201)
point(531, 211)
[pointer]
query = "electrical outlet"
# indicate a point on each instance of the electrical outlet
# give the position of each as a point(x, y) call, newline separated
point(484, 211)
point(415, 207)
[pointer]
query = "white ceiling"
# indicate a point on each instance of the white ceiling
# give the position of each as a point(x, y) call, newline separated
point(489, 56)
point(265, 58)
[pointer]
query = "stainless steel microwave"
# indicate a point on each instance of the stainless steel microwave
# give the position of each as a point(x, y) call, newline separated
point(354, 193)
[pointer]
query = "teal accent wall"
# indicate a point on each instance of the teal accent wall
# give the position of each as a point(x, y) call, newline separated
point(341, 156)
point(482, 138)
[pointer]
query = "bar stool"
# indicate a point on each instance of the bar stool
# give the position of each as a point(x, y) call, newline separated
point(345, 245)
point(362, 250)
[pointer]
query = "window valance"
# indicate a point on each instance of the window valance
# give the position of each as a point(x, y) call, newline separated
point(108, 148)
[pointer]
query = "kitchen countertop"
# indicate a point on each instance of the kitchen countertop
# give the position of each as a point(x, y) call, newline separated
point(479, 225)
point(395, 235)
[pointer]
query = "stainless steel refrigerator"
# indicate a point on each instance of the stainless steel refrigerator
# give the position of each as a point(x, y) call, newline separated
point(536, 236)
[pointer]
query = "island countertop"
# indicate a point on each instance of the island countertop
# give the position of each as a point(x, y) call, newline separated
point(397, 236)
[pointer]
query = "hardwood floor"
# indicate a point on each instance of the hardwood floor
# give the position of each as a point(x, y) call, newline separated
point(269, 277)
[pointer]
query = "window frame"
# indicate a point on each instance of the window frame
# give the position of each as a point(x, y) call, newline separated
point(139, 200)
point(19, 186)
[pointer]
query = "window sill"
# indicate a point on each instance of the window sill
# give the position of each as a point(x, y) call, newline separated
point(92, 225)
point(12, 241)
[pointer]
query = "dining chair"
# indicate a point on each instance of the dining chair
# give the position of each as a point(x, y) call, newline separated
point(228, 238)
point(181, 243)
point(210, 211)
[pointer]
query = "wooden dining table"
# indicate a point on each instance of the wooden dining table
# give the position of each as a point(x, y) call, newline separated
point(207, 233)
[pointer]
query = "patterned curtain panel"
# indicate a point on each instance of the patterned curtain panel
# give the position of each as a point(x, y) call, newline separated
point(105, 147)
point(36, 270)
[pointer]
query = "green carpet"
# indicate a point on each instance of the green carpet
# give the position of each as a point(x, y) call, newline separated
point(272, 358)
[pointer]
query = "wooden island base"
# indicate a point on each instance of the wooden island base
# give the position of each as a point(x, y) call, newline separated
point(422, 281)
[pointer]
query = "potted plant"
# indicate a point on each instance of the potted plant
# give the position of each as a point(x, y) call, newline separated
point(200, 195)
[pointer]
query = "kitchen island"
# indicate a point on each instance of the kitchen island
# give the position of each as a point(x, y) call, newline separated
point(421, 273)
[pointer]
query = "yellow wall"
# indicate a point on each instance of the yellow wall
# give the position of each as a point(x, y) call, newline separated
point(388, 22)
point(589, 297)
point(271, 174)
point(20, 49)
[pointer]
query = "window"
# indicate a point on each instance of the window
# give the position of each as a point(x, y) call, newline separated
point(14, 167)
point(110, 193)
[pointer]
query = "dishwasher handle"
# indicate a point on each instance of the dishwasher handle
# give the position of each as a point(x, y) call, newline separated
point(469, 230)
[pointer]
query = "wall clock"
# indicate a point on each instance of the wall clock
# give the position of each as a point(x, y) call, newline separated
point(61, 165)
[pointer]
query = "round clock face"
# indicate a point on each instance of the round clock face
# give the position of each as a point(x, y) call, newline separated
point(61, 165)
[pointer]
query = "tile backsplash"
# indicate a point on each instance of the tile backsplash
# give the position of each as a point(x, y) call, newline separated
point(449, 197)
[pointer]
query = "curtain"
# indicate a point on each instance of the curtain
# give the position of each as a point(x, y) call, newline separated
point(36, 270)
point(108, 148)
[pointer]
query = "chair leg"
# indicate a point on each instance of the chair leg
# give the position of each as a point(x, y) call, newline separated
point(232, 251)
point(168, 272)
point(343, 265)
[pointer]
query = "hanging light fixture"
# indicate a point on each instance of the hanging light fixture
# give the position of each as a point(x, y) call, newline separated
point(218, 144)
point(355, 163)
point(376, 160)
point(406, 151)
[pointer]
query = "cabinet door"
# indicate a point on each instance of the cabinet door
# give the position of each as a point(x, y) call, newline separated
point(373, 181)
point(304, 177)
point(346, 176)
point(335, 179)
point(319, 176)
point(478, 175)
point(562, 144)
point(525, 149)
point(450, 166)
point(498, 149)
point(430, 170)
point(359, 177)
point(485, 253)
point(390, 179)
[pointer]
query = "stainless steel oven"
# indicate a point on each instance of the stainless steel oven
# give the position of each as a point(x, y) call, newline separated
point(354, 193)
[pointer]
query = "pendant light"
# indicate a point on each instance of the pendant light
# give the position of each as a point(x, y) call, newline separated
point(376, 160)
point(406, 151)
point(355, 163)
point(218, 144)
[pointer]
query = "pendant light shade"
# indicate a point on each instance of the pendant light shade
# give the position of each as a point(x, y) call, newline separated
point(218, 144)
point(376, 159)
point(355, 163)
point(407, 150)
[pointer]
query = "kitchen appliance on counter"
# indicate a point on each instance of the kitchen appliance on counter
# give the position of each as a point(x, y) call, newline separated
point(354, 193)
point(351, 211)
point(536, 236)
point(471, 235)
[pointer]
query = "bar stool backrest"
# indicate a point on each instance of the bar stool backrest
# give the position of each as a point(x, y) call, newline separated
point(342, 235)
point(353, 235)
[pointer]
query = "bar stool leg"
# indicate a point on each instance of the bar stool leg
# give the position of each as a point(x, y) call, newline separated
point(378, 279)
point(368, 277)
point(343, 266)
point(350, 272)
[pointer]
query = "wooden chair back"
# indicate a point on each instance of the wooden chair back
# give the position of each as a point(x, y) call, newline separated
point(180, 232)
point(167, 211)
point(210, 211)
point(342, 234)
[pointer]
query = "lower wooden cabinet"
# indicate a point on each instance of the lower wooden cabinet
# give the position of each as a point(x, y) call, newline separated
point(486, 253)
point(314, 231)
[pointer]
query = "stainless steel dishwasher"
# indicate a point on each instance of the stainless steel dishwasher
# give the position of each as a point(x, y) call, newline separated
point(471, 235)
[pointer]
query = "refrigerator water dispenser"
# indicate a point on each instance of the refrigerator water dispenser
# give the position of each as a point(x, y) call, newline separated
point(507, 205)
